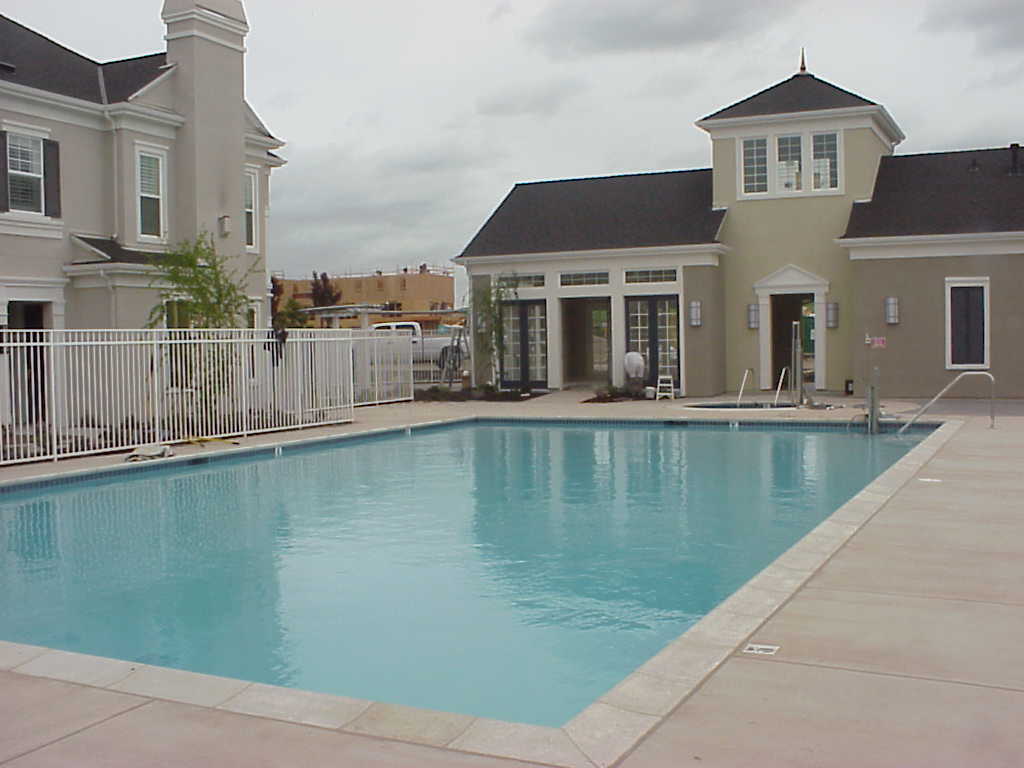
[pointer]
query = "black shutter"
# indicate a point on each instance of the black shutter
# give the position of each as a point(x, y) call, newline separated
point(5, 200)
point(51, 178)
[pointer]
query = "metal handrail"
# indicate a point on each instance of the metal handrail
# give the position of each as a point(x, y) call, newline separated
point(743, 385)
point(945, 389)
point(778, 389)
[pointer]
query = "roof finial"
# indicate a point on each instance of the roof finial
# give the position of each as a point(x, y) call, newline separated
point(803, 62)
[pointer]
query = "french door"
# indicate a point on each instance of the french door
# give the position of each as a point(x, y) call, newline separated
point(652, 329)
point(524, 355)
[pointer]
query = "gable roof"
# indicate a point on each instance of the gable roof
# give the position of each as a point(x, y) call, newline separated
point(629, 211)
point(803, 92)
point(942, 193)
point(28, 58)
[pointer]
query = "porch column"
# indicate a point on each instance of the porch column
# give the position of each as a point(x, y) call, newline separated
point(556, 376)
point(617, 353)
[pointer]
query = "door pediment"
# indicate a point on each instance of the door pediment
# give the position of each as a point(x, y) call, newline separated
point(791, 279)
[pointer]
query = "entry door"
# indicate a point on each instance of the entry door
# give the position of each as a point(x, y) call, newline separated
point(524, 359)
point(27, 364)
point(652, 329)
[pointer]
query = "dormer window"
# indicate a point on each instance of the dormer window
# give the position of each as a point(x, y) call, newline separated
point(790, 169)
point(151, 192)
point(775, 166)
point(755, 166)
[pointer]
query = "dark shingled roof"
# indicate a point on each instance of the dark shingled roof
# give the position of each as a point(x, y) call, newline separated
point(115, 252)
point(636, 210)
point(942, 193)
point(38, 62)
point(802, 92)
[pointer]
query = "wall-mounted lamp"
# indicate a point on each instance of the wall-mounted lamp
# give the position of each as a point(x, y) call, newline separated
point(753, 316)
point(696, 321)
point(892, 310)
point(224, 225)
point(832, 314)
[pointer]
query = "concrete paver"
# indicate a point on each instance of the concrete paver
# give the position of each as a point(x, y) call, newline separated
point(777, 715)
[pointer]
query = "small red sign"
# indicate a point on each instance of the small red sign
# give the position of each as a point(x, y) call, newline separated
point(878, 342)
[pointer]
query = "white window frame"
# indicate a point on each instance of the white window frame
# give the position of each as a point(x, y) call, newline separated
point(807, 189)
point(740, 163)
point(41, 175)
point(968, 282)
point(159, 152)
point(252, 176)
point(626, 282)
point(810, 154)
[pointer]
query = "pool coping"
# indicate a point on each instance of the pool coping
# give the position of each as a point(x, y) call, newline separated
point(601, 735)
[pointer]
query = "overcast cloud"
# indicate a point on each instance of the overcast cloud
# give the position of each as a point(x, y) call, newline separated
point(408, 122)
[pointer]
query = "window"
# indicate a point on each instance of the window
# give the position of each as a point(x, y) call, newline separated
point(25, 173)
point(521, 281)
point(584, 278)
point(650, 275)
point(249, 204)
point(825, 161)
point(177, 314)
point(967, 330)
point(151, 194)
point(790, 167)
point(755, 165)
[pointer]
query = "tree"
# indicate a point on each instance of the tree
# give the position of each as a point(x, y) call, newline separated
point(276, 292)
point(196, 283)
point(291, 316)
point(324, 292)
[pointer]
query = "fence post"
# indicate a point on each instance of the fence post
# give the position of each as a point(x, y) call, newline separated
point(51, 375)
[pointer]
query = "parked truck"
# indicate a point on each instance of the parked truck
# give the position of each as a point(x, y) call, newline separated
point(442, 350)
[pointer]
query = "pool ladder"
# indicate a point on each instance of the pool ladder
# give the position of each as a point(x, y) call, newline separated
point(743, 385)
point(945, 389)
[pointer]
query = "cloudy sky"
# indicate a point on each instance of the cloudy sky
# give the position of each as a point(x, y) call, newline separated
point(407, 122)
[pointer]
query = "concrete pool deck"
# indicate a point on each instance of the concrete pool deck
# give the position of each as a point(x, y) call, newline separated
point(896, 626)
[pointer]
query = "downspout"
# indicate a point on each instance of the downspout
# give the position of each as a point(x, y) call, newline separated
point(113, 298)
point(115, 148)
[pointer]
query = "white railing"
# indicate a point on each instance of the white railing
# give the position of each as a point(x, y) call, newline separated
point(69, 393)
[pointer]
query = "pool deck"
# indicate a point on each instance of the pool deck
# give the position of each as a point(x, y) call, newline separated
point(897, 624)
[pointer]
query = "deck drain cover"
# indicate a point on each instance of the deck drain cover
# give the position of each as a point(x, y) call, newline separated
point(761, 650)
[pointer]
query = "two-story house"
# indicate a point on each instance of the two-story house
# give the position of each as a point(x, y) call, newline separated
point(806, 226)
point(105, 165)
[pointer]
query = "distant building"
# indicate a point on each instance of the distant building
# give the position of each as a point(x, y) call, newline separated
point(410, 291)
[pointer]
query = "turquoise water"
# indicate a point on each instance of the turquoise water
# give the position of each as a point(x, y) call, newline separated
point(512, 572)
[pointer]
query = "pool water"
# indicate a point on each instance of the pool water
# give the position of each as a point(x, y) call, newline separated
point(508, 571)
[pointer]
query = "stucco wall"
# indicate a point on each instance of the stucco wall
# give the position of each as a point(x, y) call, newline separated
point(705, 346)
point(767, 234)
point(913, 364)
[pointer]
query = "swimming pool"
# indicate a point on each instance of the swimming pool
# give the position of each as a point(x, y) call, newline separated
point(512, 571)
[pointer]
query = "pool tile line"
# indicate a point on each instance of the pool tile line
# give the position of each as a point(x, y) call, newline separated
point(603, 733)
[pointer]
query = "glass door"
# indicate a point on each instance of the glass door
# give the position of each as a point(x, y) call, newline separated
point(524, 356)
point(652, 329)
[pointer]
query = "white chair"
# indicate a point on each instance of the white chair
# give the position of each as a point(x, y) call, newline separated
point(665, 388)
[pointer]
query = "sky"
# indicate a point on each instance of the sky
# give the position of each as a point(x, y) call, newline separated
point(408, 122)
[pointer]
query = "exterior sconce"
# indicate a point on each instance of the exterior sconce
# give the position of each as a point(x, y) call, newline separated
point(832, 314)
point(892, 310)
point(753, 316)
point(696, 321)
point(224, 225)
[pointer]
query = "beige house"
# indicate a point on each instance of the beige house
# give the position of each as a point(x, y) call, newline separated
point(104, 165)
point(807, 224)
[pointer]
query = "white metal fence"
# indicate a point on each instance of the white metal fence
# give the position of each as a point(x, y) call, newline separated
point(73, 392)
point(439, 357)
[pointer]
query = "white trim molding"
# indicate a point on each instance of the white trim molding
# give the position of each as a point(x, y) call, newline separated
point(787, 280)
point(873, 116)
point(968, 282)
point(933, 246)
point(27, 224)
point(35, 131)
point(214, 19)
point(699, 255)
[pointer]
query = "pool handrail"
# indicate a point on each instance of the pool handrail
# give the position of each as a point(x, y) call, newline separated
point(945, 389)
point(743, 385)
point(778, 389)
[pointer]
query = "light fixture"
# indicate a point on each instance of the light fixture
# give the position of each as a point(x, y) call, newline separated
point(696, 321)
point(753, 316)
point(892, 310)
point(832, 314)
point(225, 225)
